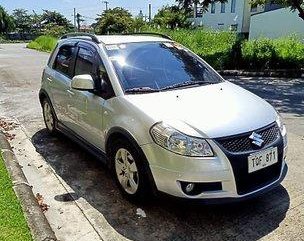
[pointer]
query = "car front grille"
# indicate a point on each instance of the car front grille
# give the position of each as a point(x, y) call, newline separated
point(239, 147)
point(242, 143)
point(248, 182)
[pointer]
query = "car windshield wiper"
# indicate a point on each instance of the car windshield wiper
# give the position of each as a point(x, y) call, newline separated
point(141, 90)
point(186, 84)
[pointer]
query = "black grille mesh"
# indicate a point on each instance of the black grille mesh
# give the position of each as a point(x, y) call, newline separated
point(242, 143)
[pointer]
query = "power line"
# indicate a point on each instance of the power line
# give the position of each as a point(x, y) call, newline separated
point(89, 17)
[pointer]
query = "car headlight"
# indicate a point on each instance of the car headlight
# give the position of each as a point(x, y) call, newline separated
point(179, 143)
point(281, 125)
point(282, 129)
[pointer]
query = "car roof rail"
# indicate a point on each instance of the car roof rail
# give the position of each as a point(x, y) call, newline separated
point(77, 34)
point(150, 33)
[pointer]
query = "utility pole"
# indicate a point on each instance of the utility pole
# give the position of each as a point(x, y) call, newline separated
point(150, 13)
point(74, 15)
point(78, 21)
point(106, 3)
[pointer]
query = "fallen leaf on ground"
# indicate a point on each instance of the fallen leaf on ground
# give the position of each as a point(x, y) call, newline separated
point(44, 207)
point(8, 125)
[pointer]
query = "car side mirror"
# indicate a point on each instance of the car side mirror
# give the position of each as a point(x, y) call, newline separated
point(103, 85)
point(82, 82)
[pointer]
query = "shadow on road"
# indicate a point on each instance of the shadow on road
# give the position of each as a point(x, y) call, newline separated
point(287, 95)
point(166, 219)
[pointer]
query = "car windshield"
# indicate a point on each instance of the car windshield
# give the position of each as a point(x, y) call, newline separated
point(158, 66)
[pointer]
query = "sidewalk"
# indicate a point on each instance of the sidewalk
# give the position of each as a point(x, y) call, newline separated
point(70, 217)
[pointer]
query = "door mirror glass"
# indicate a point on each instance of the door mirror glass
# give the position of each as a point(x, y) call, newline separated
point(103, 85)
point(82, 82)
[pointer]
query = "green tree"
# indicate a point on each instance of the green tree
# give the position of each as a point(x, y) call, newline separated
point(53, 17)
point(116, 20)
point(187, 5)
point(295, 5)
point(138, 24)
point(6, 21)
point(54, 24)
point(36, 25)
point(23, 21)
point(172, 17)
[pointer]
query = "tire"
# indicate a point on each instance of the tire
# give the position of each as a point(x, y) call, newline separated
point(49, 117)
point(128, 167)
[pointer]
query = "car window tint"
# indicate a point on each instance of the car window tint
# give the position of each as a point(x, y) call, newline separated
point(63, 62)
point(84, 62)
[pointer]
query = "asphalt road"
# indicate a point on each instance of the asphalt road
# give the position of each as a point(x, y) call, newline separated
point(278, 215)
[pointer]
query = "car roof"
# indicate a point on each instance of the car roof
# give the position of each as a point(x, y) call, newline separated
point(119, 39)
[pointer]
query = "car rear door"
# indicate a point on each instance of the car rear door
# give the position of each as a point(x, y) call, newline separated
point(60, 80)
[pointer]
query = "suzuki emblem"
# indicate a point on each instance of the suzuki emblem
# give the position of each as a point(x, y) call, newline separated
point(256, 139)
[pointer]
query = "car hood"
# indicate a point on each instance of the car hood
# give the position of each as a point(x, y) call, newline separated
point(212, 111)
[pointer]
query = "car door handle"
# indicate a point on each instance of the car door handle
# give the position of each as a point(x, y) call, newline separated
point(49, 79)
point(70, 92)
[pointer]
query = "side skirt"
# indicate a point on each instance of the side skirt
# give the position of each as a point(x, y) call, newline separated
point(99, 154)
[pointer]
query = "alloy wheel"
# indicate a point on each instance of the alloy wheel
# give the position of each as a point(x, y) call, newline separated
point(126, 171)
point(48, 116)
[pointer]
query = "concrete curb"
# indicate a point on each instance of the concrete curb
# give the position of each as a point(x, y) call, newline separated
point(38, 224)
point(266, 73)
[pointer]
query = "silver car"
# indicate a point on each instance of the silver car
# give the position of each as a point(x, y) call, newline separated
point(161, 118)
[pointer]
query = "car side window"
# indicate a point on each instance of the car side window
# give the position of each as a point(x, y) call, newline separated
point(64, 60)
point(85, 62)
point(103, 76)
point(88, 62)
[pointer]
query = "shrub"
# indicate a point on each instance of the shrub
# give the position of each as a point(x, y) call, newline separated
point(258, 53)
point(43, 43)
point(283, 53)
point(54, 30)
point(223, 50)
point(290, 53)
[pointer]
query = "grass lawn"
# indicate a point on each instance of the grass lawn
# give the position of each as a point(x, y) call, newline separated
point(13, 226)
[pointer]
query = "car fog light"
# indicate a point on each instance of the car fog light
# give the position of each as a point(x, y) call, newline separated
point(189, 187)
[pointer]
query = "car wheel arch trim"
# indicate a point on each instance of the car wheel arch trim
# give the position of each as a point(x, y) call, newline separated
point(132, 140)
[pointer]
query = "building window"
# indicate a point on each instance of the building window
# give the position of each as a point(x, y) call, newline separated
point(254, 8)
point(233, 6)
point(212, 7)
point(223, 7)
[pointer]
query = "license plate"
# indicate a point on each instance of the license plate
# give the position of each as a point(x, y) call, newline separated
point(262, 159)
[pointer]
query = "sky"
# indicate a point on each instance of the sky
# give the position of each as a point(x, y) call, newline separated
point(87, 8)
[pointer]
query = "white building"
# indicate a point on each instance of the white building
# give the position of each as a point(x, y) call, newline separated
point(277, 23)
point(232, 15)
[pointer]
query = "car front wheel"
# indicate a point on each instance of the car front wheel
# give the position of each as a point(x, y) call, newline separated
point(129, 171)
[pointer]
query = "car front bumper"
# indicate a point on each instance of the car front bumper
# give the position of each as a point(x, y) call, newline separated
point(171, 171)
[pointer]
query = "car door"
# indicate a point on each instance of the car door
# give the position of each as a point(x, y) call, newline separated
point(86, 107)
point(60, 79)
